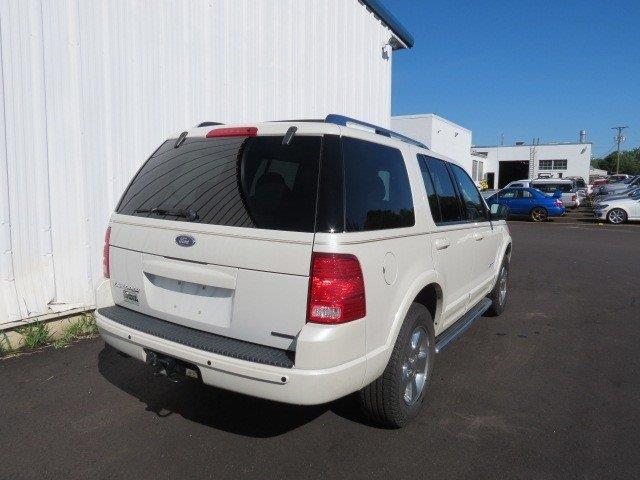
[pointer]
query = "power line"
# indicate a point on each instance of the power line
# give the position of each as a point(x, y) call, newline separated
point(619, 138)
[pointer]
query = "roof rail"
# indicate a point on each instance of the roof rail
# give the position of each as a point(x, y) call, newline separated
point(209, 124)
point(345, 121)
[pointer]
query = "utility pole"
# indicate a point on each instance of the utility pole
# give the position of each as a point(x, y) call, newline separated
point(619, 138)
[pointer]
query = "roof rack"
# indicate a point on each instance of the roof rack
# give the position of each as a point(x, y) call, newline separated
point(345, 121)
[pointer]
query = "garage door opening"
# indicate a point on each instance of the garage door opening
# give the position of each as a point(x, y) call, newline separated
point(510, 171)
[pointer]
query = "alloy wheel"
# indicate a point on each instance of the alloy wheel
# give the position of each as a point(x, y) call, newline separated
point(414, 368)
point(502, 292)
point(617, 216)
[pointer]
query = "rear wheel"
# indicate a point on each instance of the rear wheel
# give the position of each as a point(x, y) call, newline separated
point(617, 216)
point(396, 397)
point(539, 214)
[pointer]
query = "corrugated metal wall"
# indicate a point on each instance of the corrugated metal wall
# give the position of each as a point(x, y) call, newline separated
point(88, 89)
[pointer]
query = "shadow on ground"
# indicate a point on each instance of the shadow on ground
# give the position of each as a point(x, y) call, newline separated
point(220, 409)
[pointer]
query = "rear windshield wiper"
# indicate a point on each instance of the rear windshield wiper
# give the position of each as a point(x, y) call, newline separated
point(190, 215)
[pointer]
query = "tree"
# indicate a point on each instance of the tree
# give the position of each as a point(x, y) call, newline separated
point(629, 162)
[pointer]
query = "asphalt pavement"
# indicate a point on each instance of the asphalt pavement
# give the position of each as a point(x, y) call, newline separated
point(548, 390)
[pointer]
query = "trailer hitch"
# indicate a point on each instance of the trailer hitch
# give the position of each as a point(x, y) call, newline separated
point(166, 366)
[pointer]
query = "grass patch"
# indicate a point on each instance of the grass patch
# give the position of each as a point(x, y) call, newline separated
point(34, 335)
point(5, 345)
point(84, 327)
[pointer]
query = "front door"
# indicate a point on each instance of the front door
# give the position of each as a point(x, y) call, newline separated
point(485, 239)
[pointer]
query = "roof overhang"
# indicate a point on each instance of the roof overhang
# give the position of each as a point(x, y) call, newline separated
point(402, 36)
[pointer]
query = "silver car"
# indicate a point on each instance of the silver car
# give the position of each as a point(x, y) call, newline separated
point(621, 186)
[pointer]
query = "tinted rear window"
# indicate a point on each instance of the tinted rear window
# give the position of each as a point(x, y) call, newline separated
point(245, 182)
point(377, 191)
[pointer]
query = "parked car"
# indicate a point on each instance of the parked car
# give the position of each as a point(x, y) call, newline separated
point(619, 210)
point(595, 185)
point(529, 202)
point(570, 197)
point(617, 177)
point(620, 186)
point(622, 195)
point(580, 186)
point(301, 262)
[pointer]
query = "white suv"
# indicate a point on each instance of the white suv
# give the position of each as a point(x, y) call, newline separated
point(301, 261)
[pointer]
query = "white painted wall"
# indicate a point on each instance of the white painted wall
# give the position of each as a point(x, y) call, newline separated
point(89, 88)
point(439, 134)
point(578, 156)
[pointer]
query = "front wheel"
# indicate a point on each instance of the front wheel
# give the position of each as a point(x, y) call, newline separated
point(396, 397)
point(539, 214)
point(498, 295)
point(617, 216)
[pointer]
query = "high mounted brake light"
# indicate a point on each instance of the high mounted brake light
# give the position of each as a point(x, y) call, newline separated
point(105, 253)
point(336, 289)
point(233, 132)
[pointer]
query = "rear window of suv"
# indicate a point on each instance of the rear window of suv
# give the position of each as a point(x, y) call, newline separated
point(244, 182)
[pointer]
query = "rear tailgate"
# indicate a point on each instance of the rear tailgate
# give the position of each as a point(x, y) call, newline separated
point(238, 263)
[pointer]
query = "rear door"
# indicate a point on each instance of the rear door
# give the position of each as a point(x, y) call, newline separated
point(217, 234)
point(521, 202)
point(453, 241)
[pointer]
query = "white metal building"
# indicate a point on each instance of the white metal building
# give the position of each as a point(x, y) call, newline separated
point(89, 88)
point(443, 137)
point(504, 164)
point(498, 165)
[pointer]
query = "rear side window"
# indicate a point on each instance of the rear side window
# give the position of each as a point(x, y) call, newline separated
point(444, 190)
point(377, 191)
point(245, 182)
point(431, 192)
point(471, 199)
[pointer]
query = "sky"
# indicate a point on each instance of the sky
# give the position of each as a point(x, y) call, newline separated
point(525, 69)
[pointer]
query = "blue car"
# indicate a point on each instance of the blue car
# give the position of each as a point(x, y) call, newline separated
point(529, 202)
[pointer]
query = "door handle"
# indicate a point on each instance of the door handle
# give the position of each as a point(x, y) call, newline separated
point(442, 243)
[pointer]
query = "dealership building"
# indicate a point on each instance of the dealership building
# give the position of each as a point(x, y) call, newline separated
point(504, 164)
point(497, 165)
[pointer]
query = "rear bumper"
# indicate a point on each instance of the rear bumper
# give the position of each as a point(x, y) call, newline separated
point(289, 385)
point(556, 211)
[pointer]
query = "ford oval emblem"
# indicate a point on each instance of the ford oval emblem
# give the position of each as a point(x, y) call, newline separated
point(185, 240)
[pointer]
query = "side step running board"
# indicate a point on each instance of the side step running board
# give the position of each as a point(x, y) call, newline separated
point(458, 328)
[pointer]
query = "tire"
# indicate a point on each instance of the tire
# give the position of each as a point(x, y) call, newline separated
point(499, 295)
point(539, 214)
point(390, 400)
point(616, 216)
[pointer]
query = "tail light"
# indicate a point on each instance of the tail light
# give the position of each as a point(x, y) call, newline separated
point(233, 132)
point(574, 198)
point(105, 253)
point(558, 202)
point(336, 289)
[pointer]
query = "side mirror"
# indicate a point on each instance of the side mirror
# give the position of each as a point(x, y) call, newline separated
point(499, 212)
